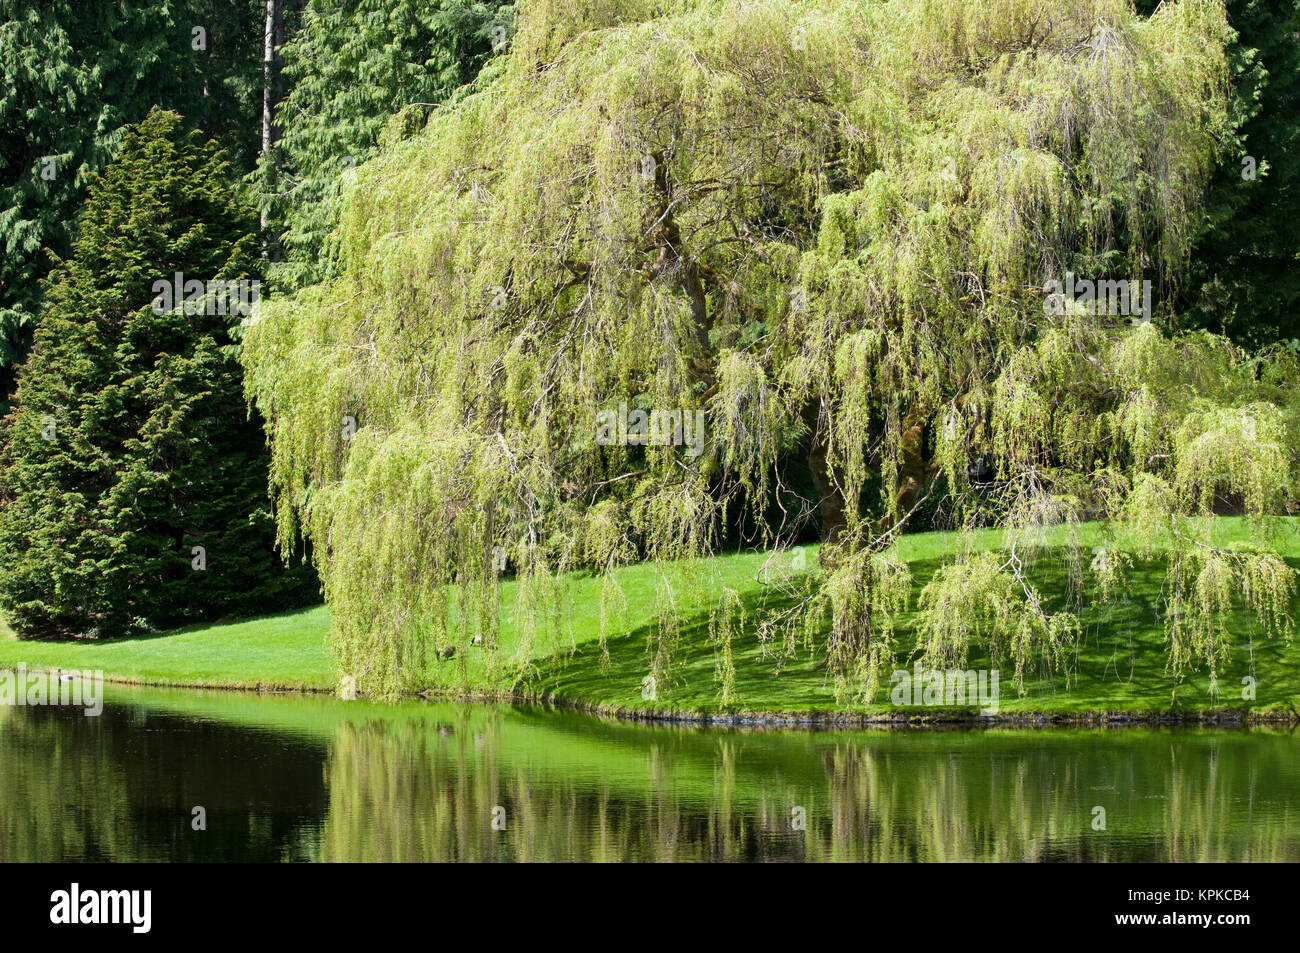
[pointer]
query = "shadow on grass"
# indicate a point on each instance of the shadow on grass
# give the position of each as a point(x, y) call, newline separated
point(1119, 662)
point(215, 625)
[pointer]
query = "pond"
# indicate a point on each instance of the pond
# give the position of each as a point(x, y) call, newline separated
point(307, 778)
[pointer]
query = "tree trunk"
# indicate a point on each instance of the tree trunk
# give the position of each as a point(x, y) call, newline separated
point(674, 265)
point(271, 38)
point(830, 502)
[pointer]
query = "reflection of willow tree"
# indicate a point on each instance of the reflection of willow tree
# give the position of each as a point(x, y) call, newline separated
point(829, 225)
point(422, 785)
point(1037, 804)
point(410, 791)
point(405, 791)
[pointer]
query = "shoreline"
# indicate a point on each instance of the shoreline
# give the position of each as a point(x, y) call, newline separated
point(933, 719)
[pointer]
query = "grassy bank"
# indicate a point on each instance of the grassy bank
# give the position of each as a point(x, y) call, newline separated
point(1119, 666)
point(273, 652)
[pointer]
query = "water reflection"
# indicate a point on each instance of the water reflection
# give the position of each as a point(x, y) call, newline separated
point(312, 779)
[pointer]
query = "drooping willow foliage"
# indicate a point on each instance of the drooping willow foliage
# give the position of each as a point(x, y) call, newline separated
point(830, 226)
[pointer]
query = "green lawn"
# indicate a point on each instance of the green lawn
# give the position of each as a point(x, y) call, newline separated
point(1120, 661)
point(273, 652)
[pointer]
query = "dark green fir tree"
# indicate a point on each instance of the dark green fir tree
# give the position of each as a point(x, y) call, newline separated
point(350, 68)
point(73, 76)
point(1244, 275)
point(134, 480)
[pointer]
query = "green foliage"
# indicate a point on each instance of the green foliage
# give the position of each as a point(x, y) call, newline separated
point(828, 226)
point(350, 67)
point(1121, 660)
point(1245, 276)
point(128, 445)
point(73, 76)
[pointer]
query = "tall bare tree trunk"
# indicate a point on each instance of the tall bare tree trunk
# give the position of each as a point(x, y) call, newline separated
point(272, 37)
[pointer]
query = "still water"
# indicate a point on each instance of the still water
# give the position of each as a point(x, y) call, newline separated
point(294, 778)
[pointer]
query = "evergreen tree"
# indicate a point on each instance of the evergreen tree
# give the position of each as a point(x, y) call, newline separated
point(1244, 279)
point(350, 67)
point(134, 482)
point(73, 76)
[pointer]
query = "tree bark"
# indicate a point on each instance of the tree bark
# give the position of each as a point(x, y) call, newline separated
point(271, 38)
point(676, 266)
point(830, 501)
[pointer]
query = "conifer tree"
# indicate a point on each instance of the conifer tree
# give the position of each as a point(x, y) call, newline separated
point(348, 69)
point(73, 76)
point(134, 481)
point(1244, 279)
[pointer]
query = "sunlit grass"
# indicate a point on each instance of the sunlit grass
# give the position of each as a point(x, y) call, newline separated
point(279, 651)
point(1119, 664)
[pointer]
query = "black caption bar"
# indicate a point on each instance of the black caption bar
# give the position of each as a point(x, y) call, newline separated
point(138, 903)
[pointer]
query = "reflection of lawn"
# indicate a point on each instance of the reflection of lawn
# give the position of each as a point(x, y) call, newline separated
point(749, 768)
point(1120, 662)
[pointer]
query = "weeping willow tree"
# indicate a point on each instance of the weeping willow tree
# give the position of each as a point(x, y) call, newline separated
point(825, 230)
